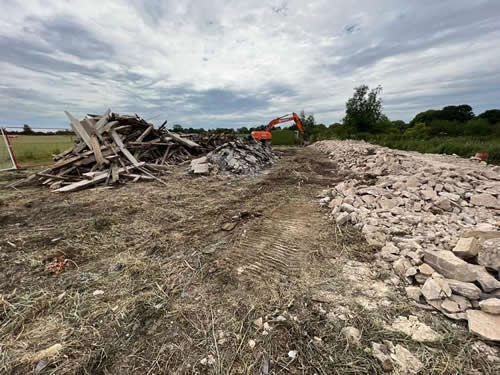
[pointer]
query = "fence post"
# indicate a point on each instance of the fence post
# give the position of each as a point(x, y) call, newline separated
point(9, 148)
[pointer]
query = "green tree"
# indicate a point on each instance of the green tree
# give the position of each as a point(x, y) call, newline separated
point(27, 130)
point(492, 115)
point(177, 128)
point(419, 131)
point(477, 127)
point(364, 109)
point(461, 113)
point(243, 130)
point(426, 117)
point(458, 113)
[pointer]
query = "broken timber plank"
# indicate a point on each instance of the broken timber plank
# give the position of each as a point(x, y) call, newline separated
point(96, 147)
point(183, 141)
point(63, 162)
point(124, 151)
point(98, 178)
point(102, 121)
point(106, 128)
point(88, 125)
point(115, 175)
point(79, 129)
point(144, 135)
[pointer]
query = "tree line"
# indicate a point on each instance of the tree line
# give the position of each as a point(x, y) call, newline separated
point(364, 115)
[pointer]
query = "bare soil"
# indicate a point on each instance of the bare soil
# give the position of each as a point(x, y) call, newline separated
point(183, 272)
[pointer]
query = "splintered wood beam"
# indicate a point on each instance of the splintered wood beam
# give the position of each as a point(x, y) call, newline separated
point(95, 180)
point(96, 147)
point(145, 134)
point(123, 149)
point(106, 128)
point(102, 121)
point(115, 175)
point(88, 125)
point(79, 130)
point(64, 162)
point(183, 141)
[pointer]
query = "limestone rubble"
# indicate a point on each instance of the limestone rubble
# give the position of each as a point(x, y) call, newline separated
point(435, 218)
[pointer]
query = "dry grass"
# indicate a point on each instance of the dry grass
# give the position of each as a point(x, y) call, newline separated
point(169, 306)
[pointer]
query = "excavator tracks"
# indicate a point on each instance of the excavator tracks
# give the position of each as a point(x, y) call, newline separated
point(276, 246)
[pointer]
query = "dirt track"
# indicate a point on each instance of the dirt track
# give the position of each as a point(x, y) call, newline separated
point(179, 291)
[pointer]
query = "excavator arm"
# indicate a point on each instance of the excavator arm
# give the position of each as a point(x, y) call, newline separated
point(266, 134)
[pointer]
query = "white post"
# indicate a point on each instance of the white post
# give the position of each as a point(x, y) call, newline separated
point(9, 151)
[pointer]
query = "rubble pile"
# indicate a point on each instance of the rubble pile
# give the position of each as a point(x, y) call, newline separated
point(235, 158)
point(115, 148)
point(435, 218)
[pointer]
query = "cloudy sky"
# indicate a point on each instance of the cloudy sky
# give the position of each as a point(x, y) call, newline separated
point(241, 63)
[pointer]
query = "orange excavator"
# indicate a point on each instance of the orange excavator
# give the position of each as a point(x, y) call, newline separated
point(265, 135)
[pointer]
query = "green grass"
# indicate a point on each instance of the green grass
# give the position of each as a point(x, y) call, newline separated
point(39, 149)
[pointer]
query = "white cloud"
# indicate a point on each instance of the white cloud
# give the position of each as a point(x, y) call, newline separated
point(243, 63)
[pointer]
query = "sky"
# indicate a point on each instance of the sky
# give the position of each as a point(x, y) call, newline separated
point(242, 63)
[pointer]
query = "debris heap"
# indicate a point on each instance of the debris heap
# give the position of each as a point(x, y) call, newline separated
point(235, 158)
point(112, 148)
point(436, 219)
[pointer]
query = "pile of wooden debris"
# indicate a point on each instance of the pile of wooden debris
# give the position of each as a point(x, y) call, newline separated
point(112, 148)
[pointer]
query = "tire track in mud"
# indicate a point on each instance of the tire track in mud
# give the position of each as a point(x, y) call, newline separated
point(275, 246)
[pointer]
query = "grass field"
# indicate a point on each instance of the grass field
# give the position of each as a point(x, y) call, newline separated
point(38, 149)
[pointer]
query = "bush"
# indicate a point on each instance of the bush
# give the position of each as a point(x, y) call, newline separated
point(284, 137)
point(419, 131)
point(477, 127)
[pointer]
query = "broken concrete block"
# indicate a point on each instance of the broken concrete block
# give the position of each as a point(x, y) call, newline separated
point(200, 168)
point(201, 160)
point(390, 248)
point(436, 303)
point(468, 290)
point(407, 362)
point(352, 335)
point(490, 305)
point(345, 207)
point(387, 203)
point(413, 292)
point(342, 218)
point(484, 325)
point(485, 200)
point(466, 247)
point(417, 330)
point(381, 352)
point(435, 288)
point(485, 279)
point(489, 254)
point(426, 269)
point(444, 204)
point(450, 306)
point(462, 302)
point(421, 278)
point(449, 265)
point(401, 266)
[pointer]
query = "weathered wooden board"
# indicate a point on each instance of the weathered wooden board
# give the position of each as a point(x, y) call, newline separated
point(183, 141)
point(79, 130)
point(95, 180)
point(123, 149)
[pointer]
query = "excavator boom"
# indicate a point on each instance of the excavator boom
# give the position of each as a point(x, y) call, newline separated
point(266, 134)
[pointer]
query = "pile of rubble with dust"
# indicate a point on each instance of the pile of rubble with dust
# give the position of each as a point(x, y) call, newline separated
point(435, 219)
point(235, 158)
point(116, 148)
